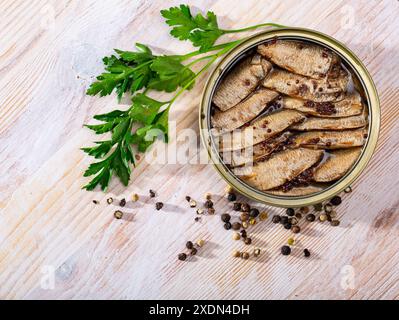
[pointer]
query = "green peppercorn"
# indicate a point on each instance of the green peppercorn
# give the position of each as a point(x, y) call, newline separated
point(291, 241)
point(276, 219)
point(225, 217)
point(310, 217)
point(285, 250)
point(290, 212)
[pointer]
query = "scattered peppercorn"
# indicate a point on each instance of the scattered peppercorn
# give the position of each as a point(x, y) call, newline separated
point(247, 241)
point(318, 207)
point(245, 255)
point(304, 210)
point(291, 241)
point(263, 216)
point(208, 204)
point(335, 223)
point(211, 211)
point(227, 225)
point(293, 221)
point(193, 203)
point(329, 219)
point(284, 220)
point(189, 245)
point(245, 207)
point(193, 251)
point(237, 206)
point(231, 197)
point(244, 216)
point(135, 197)
point(290, 212)
point(110, 200)
point(225, 217)
point(236, 226)
point(288, 226)
point(306, 253)
point(245, 224)
point(200, 211)
point(159, 205)
point(200, 243)
point(236, 236)
point(208, 196)
point(236, 254)
point(182, 256)
point(333, 214)
point(95, 202)
point(256, 252)
point(348, 190)
point(323, 217)
point(243, 233)
point(122, 203)
point(252, 221)
point(197, 219)
point(310, 217)
point(336, 201)
point(254, 212)
point(152, 193)
point(276, 219)
point(285, 250)
point(328, 208)
point(118, 214)
point(296, 229)
point(188, 198)
point(229, 189)
point(298, 215)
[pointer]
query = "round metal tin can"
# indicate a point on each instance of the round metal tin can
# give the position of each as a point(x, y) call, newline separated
point(369, 95)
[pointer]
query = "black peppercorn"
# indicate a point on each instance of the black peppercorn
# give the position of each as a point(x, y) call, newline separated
point(248, 241)
point(306, 253)
point(236, 226)
point(237, 206)
point(152, 193)
point(188, 198)
point(284, 220)
point(243, 233)
point(285, 250)
point(276, 219)
point(95, 202)
point(182, 256)
point(231, 197)
point(227, 225)
point(189, 245)
point(208, 204)
point(254, 213)
point(288, 226)
point(225, 217)
point(336, 201)
point(159, 205)
point(310, 217)
point(290, 212)
point(122, 203)
point(245, 207)
point(193, 251)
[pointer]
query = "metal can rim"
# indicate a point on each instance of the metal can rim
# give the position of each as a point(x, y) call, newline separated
point(372, 102)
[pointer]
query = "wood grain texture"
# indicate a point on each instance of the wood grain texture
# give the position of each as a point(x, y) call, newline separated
point(49, 52)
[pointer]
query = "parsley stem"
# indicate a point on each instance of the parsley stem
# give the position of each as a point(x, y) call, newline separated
point(276, 25)
point(214, 48)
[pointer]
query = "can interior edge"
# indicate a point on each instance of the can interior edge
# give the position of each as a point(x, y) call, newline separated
point(361, 73)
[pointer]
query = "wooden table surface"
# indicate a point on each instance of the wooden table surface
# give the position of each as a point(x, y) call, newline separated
point(56, 244)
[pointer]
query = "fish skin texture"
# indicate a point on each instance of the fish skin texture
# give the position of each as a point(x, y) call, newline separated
point(297, 191)
point(301, 58)
point(298, 86)
point(240, 82)
point(257, 131)
point(244, 111)
point(279, 168)
point(335, 167)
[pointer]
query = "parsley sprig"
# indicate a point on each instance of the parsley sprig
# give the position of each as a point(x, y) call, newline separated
point(137, 73)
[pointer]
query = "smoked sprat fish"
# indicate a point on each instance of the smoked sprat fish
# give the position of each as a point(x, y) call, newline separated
point(279, 168)
point(301, 58)
point(261, 129)
point(244, 111)
point(350, 105)
point(298, 86)
point(297, 191)
point(240, 82)
point(337, 164)
point(331, 139)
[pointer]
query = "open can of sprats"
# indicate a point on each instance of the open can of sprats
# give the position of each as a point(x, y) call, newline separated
point(360, 77)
